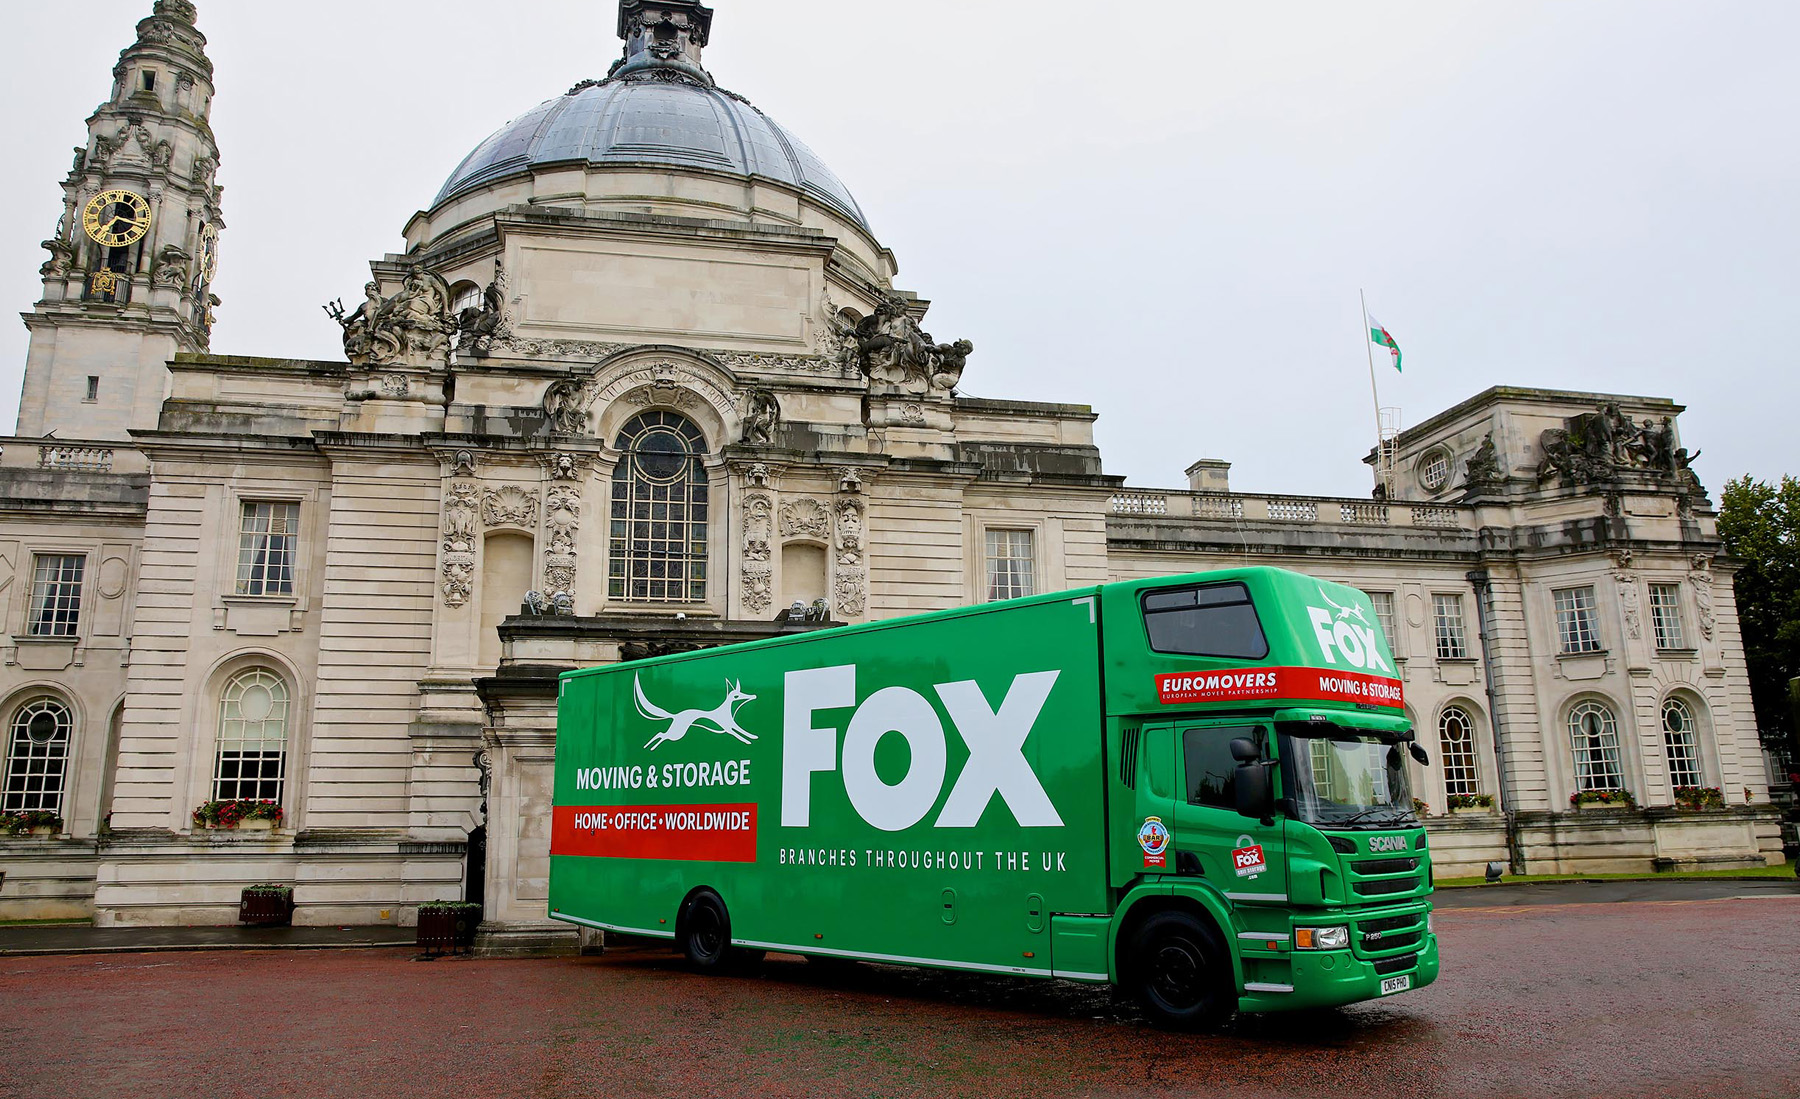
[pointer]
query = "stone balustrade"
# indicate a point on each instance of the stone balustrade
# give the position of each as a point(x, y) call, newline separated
point(1299, 510)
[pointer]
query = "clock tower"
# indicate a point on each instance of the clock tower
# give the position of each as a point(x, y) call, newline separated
point(128, 282)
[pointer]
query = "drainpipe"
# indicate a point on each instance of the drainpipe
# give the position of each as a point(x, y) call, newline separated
point(1484, 593)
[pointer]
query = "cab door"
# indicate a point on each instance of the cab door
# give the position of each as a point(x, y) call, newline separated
point(1241, 856)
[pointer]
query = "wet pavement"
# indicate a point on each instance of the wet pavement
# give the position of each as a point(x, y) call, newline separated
point(1668, 995)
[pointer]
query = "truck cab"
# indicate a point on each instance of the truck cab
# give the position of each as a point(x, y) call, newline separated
point(1258, 749)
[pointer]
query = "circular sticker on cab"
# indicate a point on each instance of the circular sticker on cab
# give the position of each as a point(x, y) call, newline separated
point(1153, 837)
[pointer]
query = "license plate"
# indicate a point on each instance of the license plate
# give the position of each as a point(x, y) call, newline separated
point(1396, 984)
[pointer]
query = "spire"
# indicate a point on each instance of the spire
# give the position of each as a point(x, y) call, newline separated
point(664, 34)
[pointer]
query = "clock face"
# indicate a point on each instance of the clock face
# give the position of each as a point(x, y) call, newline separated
point(209, 254)
point(116, 218)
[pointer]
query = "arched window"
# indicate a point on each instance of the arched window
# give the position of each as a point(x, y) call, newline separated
point(658, 536)
point(1681, 743)
point(37, 757)
point(1594, 735)
point(253, 729)
point(1456, 735)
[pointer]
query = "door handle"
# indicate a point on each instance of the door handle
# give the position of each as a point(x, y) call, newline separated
point(1187, 862)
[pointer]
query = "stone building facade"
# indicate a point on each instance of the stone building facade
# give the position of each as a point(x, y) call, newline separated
point(643, 368)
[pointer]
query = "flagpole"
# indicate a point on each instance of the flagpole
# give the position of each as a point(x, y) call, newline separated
point(1381, 457)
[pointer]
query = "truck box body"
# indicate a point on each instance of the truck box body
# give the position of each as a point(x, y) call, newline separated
point(995, 788)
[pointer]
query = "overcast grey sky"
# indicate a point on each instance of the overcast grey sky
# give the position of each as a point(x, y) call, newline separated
point(1164, 211)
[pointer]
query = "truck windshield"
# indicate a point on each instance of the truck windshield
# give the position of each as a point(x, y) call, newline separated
point(1336, 776)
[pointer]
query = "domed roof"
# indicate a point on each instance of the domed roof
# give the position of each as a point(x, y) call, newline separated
point(629, 120)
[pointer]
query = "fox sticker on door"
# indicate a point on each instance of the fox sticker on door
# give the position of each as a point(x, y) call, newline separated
point(1248, 859)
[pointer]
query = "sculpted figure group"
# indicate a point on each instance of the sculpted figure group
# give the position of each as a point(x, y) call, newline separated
point(891, 349)
point(412, 328)
point(1595, 446)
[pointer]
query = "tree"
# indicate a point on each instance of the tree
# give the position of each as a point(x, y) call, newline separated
point(1760, 526)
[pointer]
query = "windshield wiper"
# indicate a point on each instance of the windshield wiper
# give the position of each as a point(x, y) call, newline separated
point(1400, 815)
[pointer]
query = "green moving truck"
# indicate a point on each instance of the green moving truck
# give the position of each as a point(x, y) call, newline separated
point(1194, 787)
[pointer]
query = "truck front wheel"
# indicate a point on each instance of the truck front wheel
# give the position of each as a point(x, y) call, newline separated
point(1180, 972)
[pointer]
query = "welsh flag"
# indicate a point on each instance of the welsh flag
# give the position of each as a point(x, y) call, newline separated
point(1379, 333)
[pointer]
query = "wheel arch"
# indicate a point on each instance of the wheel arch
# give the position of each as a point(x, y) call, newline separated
point(1142, 903)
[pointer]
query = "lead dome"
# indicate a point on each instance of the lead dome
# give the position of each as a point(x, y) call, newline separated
point(657, 108)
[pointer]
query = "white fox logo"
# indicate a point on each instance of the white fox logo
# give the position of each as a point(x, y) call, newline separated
point(1343, 611)
point(720, 719)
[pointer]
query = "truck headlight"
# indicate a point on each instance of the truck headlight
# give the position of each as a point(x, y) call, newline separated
point(1321, 938)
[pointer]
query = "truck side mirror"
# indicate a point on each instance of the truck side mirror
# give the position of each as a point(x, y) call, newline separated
point(1243, 749)
point(1254, 791)
point(1418, 753)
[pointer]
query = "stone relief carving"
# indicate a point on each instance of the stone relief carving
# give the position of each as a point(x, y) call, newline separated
point(756, 475)
point(805, 519)
point(743, 362)
point(396, 386)
point(554, 349)
point(183, 10)
point(412, 328)
point(758, 584)
point(668, 385)
point(510, 506)
point(1628, 602)
point(762, 417)
point(850, 587)
point(1703, 595)
point(851, 481)
point(562, 520)
point(479, 327)
point(892, 350)
point(1595, 447)
point(836, 333)
point(460, 509)
point(106, 148)
point(566, 467)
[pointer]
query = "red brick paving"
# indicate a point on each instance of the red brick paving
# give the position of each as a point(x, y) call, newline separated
point(1696, 998)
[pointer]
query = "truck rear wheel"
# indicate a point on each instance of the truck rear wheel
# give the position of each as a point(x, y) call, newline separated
point(1180, 973)
point(706, 936)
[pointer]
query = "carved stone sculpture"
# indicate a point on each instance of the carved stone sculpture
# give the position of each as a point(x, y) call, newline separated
point(566, 404)
point(510, 506)
point(413, 328)
point(1595, 448)
point(460, 513)
point(562, 521)
point(1628, 602)
point(850, 585)
point(758, 586)
point(893, 351)
point(1484, 472)
point(478, 328)
point(62, 255)
point(565, 467)
point(762, 416)
point(171, 266)
point(805, 519)
point(1703, 595)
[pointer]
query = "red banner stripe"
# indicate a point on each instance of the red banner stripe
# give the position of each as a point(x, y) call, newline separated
point(1298, 684)
point(682, 833)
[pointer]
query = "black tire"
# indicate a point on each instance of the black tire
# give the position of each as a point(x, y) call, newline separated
point(706, 937)
point(1180, 973)
point(706, 932)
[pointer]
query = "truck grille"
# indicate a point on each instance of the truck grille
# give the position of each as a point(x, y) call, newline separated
point(1386, 966)
point(1387, 866)
point(1385, 888)
point(1387, 934)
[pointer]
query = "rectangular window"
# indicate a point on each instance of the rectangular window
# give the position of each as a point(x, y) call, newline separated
point(1211, 771)
point(1452, 639)
point(1011, 572)
point(56, 594)
point(1384, 613)
point(1217, 621)
point(149, 81)
point(1575, 623)
point(1665, 616)
point(268, 537)
point(93, 389)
